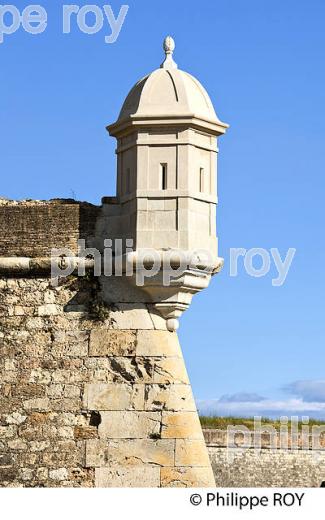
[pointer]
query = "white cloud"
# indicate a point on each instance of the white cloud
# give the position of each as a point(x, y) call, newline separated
point(308, 399)
point(265, 407)
point(241, 397)
point(308, 390)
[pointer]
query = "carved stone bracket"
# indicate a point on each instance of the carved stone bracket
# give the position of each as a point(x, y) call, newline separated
point(171, 295)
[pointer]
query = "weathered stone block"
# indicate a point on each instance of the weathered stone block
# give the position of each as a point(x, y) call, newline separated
point(65, 432)
point(8, 474)
point(31, 433)
point(39, 445)
point(10, 364)
point(70, 336)
point(131, 370)
point(49, 309)
point(181, 425)
point(65, 405)
point(38, 404)
point(6, 459)
point(26, 474)
point(169, 397)
point(85, 432)
point(10, 376)
point(28, 390)
point(105, 342)
point(114, 396)
point(16, 418)
point(49, 297)
point(187, 477)
point(118, 289)
point(71, 391)
point(40, 376)
point(58, 474)
point(35, 323)
point(42, 473)
point(17, 444)
point(130, 452)
point(158, 321)
point(157, 343)
point(170, 370)
point(61, 350)
point(129, 425)
point(132, 316)
point(146, 476)
point(36, 418)
point(191, 453)
point(55, 391)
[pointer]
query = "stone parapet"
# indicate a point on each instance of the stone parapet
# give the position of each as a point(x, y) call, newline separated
point(291, 462)
point(33, 228)
point(267, 439)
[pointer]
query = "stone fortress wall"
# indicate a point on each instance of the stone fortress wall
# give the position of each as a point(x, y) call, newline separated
point(269, 466)
point(93, 387)
point(33, 228)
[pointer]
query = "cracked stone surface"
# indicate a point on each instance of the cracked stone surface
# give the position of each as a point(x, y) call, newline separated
point(92, 402)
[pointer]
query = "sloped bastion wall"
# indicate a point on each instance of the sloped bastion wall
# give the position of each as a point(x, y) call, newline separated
point(93, 389)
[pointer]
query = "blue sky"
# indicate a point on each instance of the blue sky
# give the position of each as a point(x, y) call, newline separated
point(246, 343)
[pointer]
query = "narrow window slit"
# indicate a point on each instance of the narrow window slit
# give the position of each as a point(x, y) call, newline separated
point(201, 180)
point(163, 173)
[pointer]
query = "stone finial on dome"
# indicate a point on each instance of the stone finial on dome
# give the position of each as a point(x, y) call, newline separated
point(169, 47)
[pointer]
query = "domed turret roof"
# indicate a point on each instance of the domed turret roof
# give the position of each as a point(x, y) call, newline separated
point(169, 93)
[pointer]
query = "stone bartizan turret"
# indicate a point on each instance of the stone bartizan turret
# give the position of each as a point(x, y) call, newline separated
point(166, 135)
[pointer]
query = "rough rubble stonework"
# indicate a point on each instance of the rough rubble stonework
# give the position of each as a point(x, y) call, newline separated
point(33, 228)
point(268, 468)
point(301, 464)
point(86, 402)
